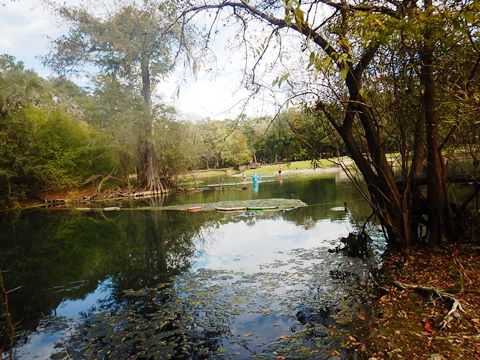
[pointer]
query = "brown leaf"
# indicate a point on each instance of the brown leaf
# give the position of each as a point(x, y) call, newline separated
point(428, 327)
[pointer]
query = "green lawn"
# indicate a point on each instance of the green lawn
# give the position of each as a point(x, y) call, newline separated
point(208, 173)
point(294, 165)
point(264, 170)
point(268, 170)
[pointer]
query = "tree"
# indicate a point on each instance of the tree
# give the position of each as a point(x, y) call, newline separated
point(44, 142)
point(340, 42)
point(137, 45)
point(115, 110)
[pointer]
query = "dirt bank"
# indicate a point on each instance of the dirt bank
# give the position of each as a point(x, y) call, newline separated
point(425, 323)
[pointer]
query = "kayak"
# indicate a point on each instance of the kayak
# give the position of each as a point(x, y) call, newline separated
point(262, 207)
point(238, 208)
point(194, 208)
point(339, 208)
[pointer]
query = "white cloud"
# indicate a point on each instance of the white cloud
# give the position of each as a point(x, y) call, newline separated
point(25, 27)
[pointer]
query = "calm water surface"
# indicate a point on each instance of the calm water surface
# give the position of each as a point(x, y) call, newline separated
point(239, 285)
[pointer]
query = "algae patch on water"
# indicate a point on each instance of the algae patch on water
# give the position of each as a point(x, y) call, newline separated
point(280, 204)
point(256, 204)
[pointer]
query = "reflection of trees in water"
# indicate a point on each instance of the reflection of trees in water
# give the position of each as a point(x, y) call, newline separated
point(156, 319)
point(59, 256)
point(157, 245)
point(47, 254)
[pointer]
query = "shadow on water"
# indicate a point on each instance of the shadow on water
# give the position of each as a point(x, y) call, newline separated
point(189, 285)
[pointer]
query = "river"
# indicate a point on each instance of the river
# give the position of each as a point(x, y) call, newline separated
point(175, 284)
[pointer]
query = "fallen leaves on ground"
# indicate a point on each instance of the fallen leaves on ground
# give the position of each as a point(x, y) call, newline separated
point(428, 327)
point(399, 325)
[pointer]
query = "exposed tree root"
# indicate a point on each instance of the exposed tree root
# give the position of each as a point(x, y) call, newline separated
point(150, 175)
point(108, 194)
point(442, 293)
point(155, 184)
point(99, 187)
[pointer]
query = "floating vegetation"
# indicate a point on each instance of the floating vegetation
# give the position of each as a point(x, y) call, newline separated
point(305, 306)
point(234, 205)
point(262, 208)
point(235, 208)
point(280, 204)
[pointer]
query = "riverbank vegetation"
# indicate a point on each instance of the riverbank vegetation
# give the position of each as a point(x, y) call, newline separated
point(438, 318)
point(59, 137)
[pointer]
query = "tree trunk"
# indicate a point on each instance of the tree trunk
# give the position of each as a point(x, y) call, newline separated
point(440, 215)
point(149, 169)
point(392, 207)
point(386, 200)
point(384, 195)
point(417, 169)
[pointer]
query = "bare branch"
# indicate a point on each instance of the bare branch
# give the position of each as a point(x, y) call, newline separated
point(365, 8)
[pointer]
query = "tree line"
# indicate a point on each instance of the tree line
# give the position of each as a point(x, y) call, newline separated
point(56, 135)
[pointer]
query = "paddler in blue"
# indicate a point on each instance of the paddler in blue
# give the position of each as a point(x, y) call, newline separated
point(255, 181)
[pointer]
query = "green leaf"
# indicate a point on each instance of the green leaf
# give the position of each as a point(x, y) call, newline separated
point(299, 16)
point(311, 60)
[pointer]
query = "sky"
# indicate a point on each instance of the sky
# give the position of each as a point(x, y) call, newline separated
point(27, 28)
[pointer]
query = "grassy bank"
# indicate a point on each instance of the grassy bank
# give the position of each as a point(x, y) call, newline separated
point(209, 173)
point(267, 170)
point(272, 169)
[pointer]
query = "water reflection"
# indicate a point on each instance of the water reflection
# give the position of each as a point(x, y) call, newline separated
point(69, 264)
point(240, 246)
point(62, 260)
